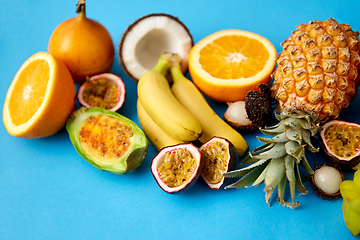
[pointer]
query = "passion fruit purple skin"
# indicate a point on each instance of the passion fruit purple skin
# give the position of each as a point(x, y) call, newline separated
point(111, 78)
point(159, 159)
point(231, 161)
point(345, 163)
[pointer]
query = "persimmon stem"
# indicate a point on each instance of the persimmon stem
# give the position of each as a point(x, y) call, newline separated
point(80, 7)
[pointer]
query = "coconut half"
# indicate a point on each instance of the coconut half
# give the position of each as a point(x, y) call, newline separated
point(147, 38)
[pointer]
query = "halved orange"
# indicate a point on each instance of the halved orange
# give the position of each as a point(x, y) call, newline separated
point(227, 64)
point(40, 98)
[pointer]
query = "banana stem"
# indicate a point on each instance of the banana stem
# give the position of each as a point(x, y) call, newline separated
point(162, 66)
point(164, 63)
point(177, 74)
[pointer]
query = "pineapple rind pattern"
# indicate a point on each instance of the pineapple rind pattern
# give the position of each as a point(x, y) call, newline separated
point(318, 69)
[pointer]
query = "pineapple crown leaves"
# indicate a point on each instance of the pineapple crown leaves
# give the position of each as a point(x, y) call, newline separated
point(277, 160)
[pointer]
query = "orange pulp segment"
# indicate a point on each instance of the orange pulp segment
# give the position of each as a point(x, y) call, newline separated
point(29, 93)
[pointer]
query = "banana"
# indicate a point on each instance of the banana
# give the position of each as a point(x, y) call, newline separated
point(191, 98)
point(165, 110)
point(156, 135)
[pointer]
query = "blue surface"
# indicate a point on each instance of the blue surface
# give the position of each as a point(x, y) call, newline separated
point(47, 191)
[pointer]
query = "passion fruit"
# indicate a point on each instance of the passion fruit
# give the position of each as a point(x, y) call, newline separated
point(104, 90)
point(218, 156)
point(340, 142)
point(107, 140)
point(176, 168)
point(83, 45)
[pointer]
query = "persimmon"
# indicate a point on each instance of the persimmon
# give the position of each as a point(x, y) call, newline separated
point(83, 45)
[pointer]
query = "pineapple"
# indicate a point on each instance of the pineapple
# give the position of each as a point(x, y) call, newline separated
point(318, 69)
point(315, 79)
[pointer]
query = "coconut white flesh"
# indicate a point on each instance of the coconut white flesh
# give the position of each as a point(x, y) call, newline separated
point(236, 113)
point(151, 37)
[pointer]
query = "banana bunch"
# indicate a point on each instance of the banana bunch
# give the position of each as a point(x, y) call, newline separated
point(164, 109)
point(180, 113)
point(157, 136)
point(350, 191)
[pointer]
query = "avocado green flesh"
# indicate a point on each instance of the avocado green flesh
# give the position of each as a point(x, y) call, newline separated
point(123, 164)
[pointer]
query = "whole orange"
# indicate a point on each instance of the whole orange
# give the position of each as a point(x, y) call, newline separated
point(83, 45)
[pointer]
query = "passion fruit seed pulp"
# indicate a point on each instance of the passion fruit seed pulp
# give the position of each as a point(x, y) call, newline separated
point(177, 168)
point(214, 159)
point(218, 156)
point(340, 142)
point(343, 140)
point(107, 140)
point(100, 93)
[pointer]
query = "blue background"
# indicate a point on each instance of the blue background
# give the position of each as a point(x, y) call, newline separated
point(47, 191)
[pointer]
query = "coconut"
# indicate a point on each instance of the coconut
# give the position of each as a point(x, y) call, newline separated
point(147, 38)
point(253, 113)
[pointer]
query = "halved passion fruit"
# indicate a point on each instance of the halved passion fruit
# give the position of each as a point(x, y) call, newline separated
point(107, 140)
point(105, 90)
point(340, 142)
point(218, 156)
point(176, 168)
